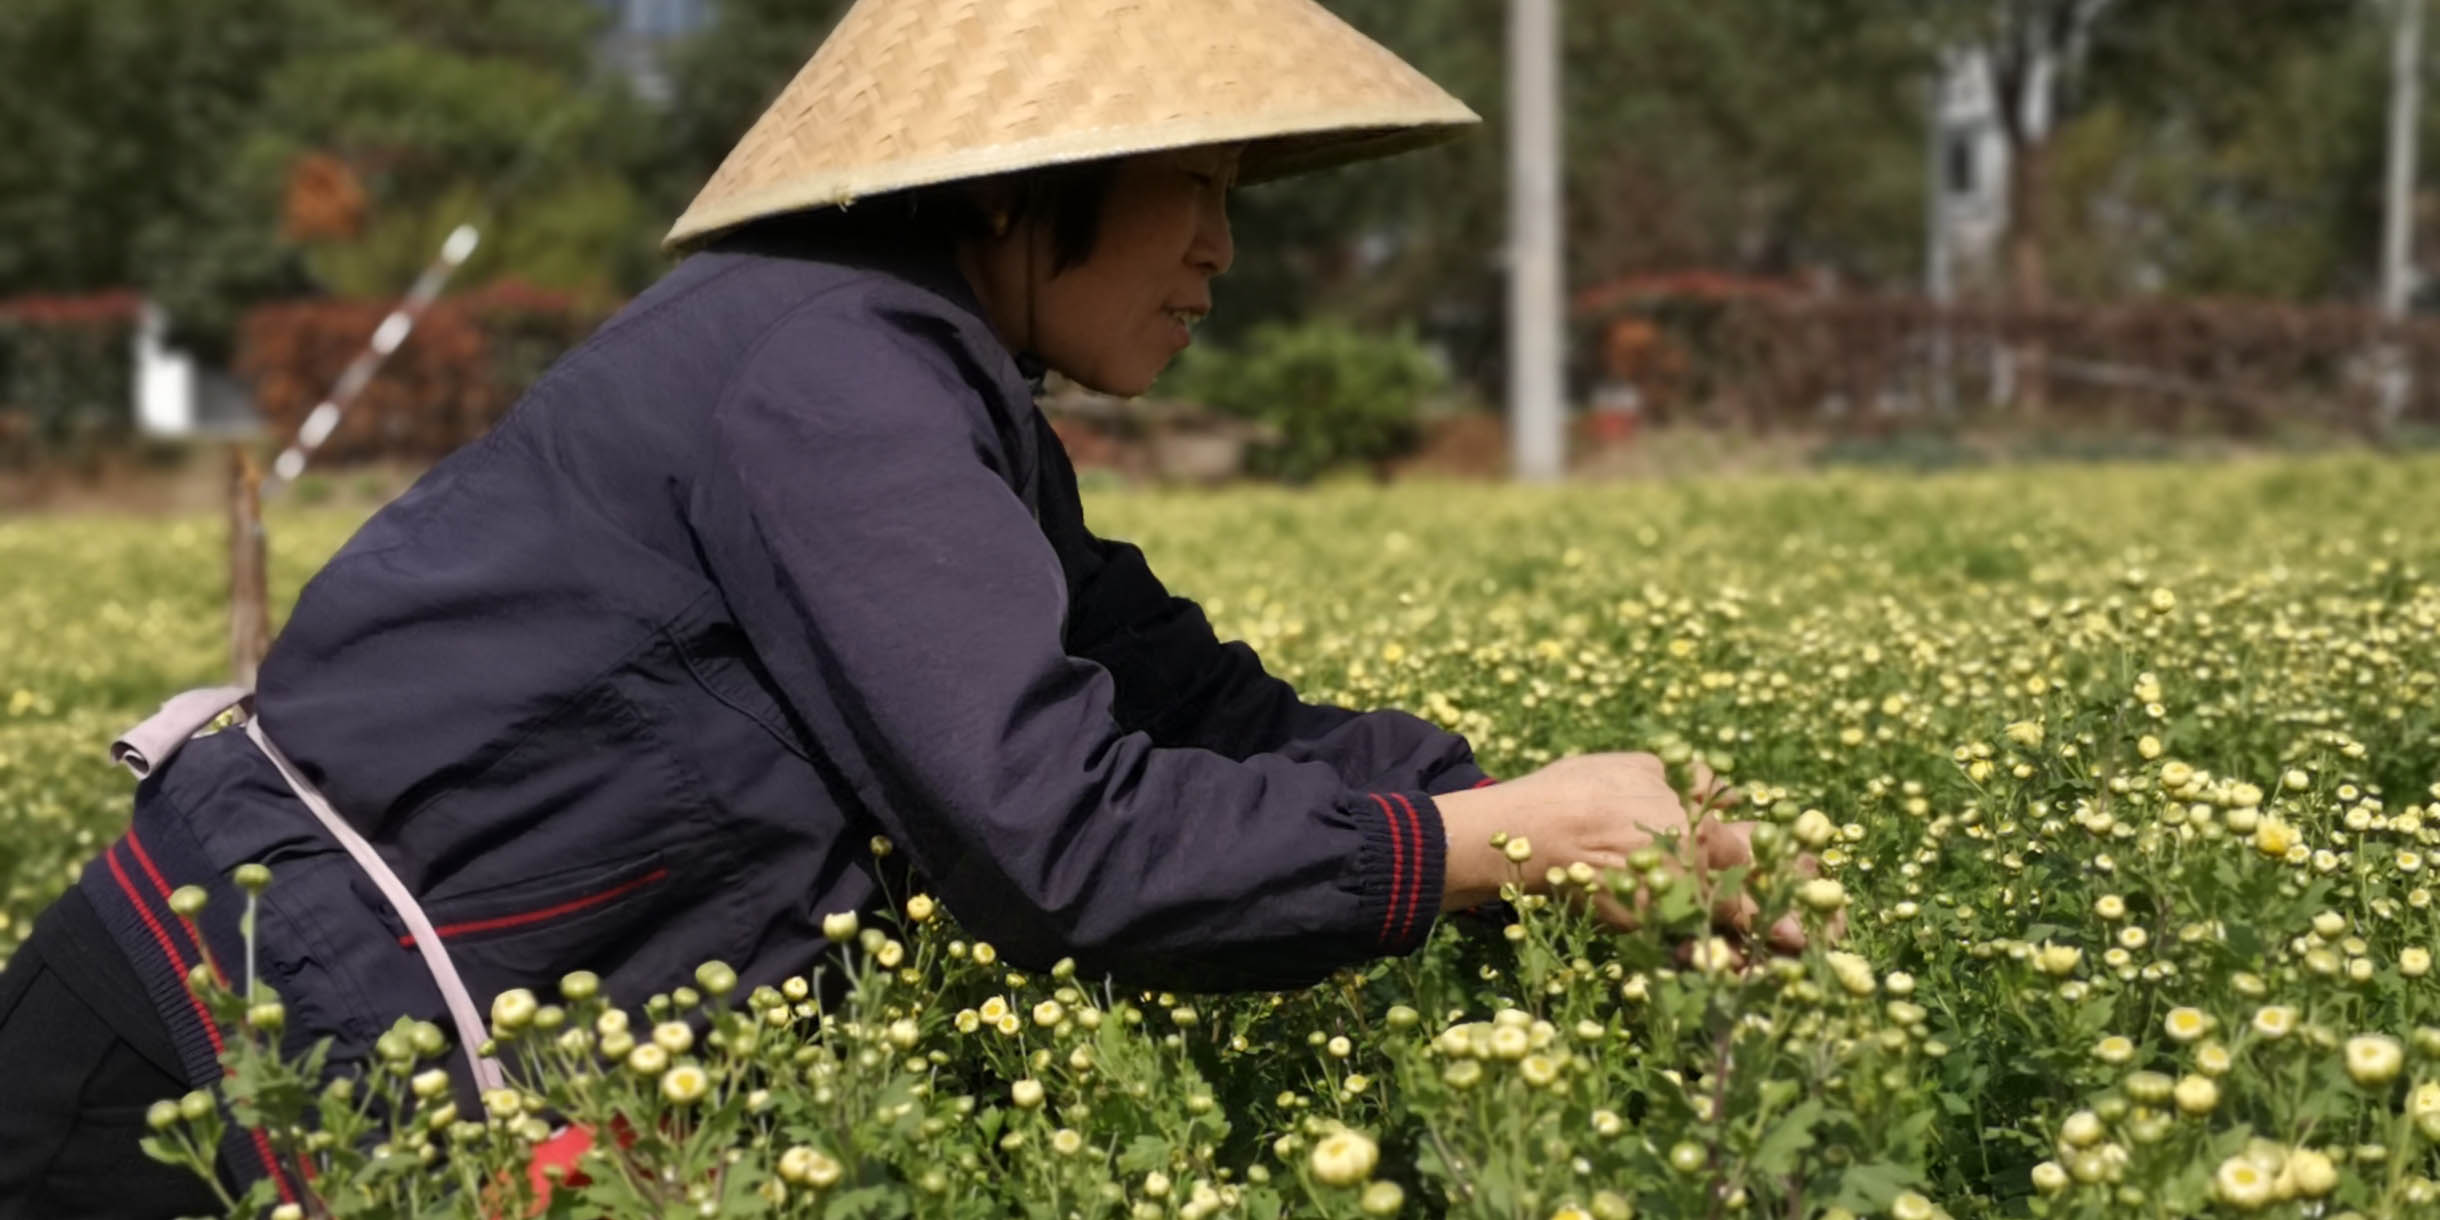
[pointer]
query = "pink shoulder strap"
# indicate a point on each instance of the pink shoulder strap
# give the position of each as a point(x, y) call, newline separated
point(146, 747)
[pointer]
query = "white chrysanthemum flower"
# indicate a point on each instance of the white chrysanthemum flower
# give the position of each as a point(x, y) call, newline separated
point(2050, 1178)
point(513, 1009)
point(648, 1059)
point(2309, 1173)
point(685, 1084)
point(805, 1166)
point(2186, 1024)
point(2058, 959)
point(2374, 1059)
point(2197, 1095)
point(1853, 972)
point(1344, 1158)
point(2274, 1021)
point(2213, 1059)
point(2241, 1184)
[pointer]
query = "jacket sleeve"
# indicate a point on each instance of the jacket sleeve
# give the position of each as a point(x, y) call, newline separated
point(1179, 683)
point(859, 517)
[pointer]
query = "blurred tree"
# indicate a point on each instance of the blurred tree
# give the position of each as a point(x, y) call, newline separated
point(158, 145)
point(2226, 157)
point(1769, 136)
point(119, 120)
point(723, 76)
point(454, 110)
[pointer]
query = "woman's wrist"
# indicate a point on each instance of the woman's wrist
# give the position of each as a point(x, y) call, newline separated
point(1474, 869)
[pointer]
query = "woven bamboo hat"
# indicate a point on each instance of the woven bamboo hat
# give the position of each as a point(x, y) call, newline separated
point(908, 93)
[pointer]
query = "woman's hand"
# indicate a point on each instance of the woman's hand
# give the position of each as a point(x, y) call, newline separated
point(1600, 809)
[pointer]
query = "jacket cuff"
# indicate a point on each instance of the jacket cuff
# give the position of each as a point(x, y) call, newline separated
point(1457, 777)
point(1404, 863)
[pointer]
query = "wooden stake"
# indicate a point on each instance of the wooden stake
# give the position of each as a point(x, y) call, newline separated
point(249, 569)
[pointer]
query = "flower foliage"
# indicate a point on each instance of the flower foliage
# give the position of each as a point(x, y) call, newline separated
point(2125, 783)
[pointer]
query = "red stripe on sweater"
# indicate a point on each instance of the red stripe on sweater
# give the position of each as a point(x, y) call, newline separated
point(1397, 858)
point(445, 931)
point(1414, 894)
point(1485, 782)
point(161, 887)
point(262, 1143)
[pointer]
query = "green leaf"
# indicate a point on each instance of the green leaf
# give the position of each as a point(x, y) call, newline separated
point(1261, 1203)
point(1144, 1154)
point(1869, 1188)
point(868, 1203)
point(1793, 1133)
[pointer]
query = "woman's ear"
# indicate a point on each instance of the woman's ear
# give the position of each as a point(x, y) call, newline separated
point(995, 201)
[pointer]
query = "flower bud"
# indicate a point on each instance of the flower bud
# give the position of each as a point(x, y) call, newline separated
point(513, 1009)
point(253, 878)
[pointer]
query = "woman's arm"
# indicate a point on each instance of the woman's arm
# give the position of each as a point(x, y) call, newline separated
point(857, 517)
point(1177, 682)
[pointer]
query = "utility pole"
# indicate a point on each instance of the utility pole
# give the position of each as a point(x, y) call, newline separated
point(1537, 322)
point(1939, 254)
point(2397, 225)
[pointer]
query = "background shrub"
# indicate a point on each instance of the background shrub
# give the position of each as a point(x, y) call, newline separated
point(1335, 394)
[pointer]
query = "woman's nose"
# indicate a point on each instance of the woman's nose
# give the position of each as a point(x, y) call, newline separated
point(1215, 248)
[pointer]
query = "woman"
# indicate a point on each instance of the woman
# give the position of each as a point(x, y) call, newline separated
point(782, 562)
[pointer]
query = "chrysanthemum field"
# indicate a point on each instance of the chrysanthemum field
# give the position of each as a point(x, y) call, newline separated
point(2128, 780)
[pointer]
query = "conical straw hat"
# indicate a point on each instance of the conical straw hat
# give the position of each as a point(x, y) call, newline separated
point(908, 93)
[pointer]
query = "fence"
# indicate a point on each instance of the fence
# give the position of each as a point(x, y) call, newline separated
point(1760, 357)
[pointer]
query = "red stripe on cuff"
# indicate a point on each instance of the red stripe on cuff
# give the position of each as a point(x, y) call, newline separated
point(1485, 782)
point(262, 1143)
point(1397, 875)
point(1414, 895)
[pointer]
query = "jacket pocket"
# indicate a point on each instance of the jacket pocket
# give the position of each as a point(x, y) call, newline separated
point(610, 918)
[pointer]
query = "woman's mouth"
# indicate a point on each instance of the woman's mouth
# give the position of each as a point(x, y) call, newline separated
point(1183, 323)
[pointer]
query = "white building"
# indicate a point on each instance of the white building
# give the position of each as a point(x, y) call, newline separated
point(178, 398)
point(1969, 176)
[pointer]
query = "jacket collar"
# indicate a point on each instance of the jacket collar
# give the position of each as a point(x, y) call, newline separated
point(891, 245)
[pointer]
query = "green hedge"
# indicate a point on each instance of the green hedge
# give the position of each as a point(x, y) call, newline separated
point(1335, 395)
point(67, 380)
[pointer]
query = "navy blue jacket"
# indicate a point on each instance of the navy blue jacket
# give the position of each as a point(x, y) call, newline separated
point(781, 559)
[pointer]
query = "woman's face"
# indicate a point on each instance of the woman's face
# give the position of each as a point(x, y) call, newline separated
point(1114, 321)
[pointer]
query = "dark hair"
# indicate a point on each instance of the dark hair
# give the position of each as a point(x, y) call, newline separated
point(1070, 196)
